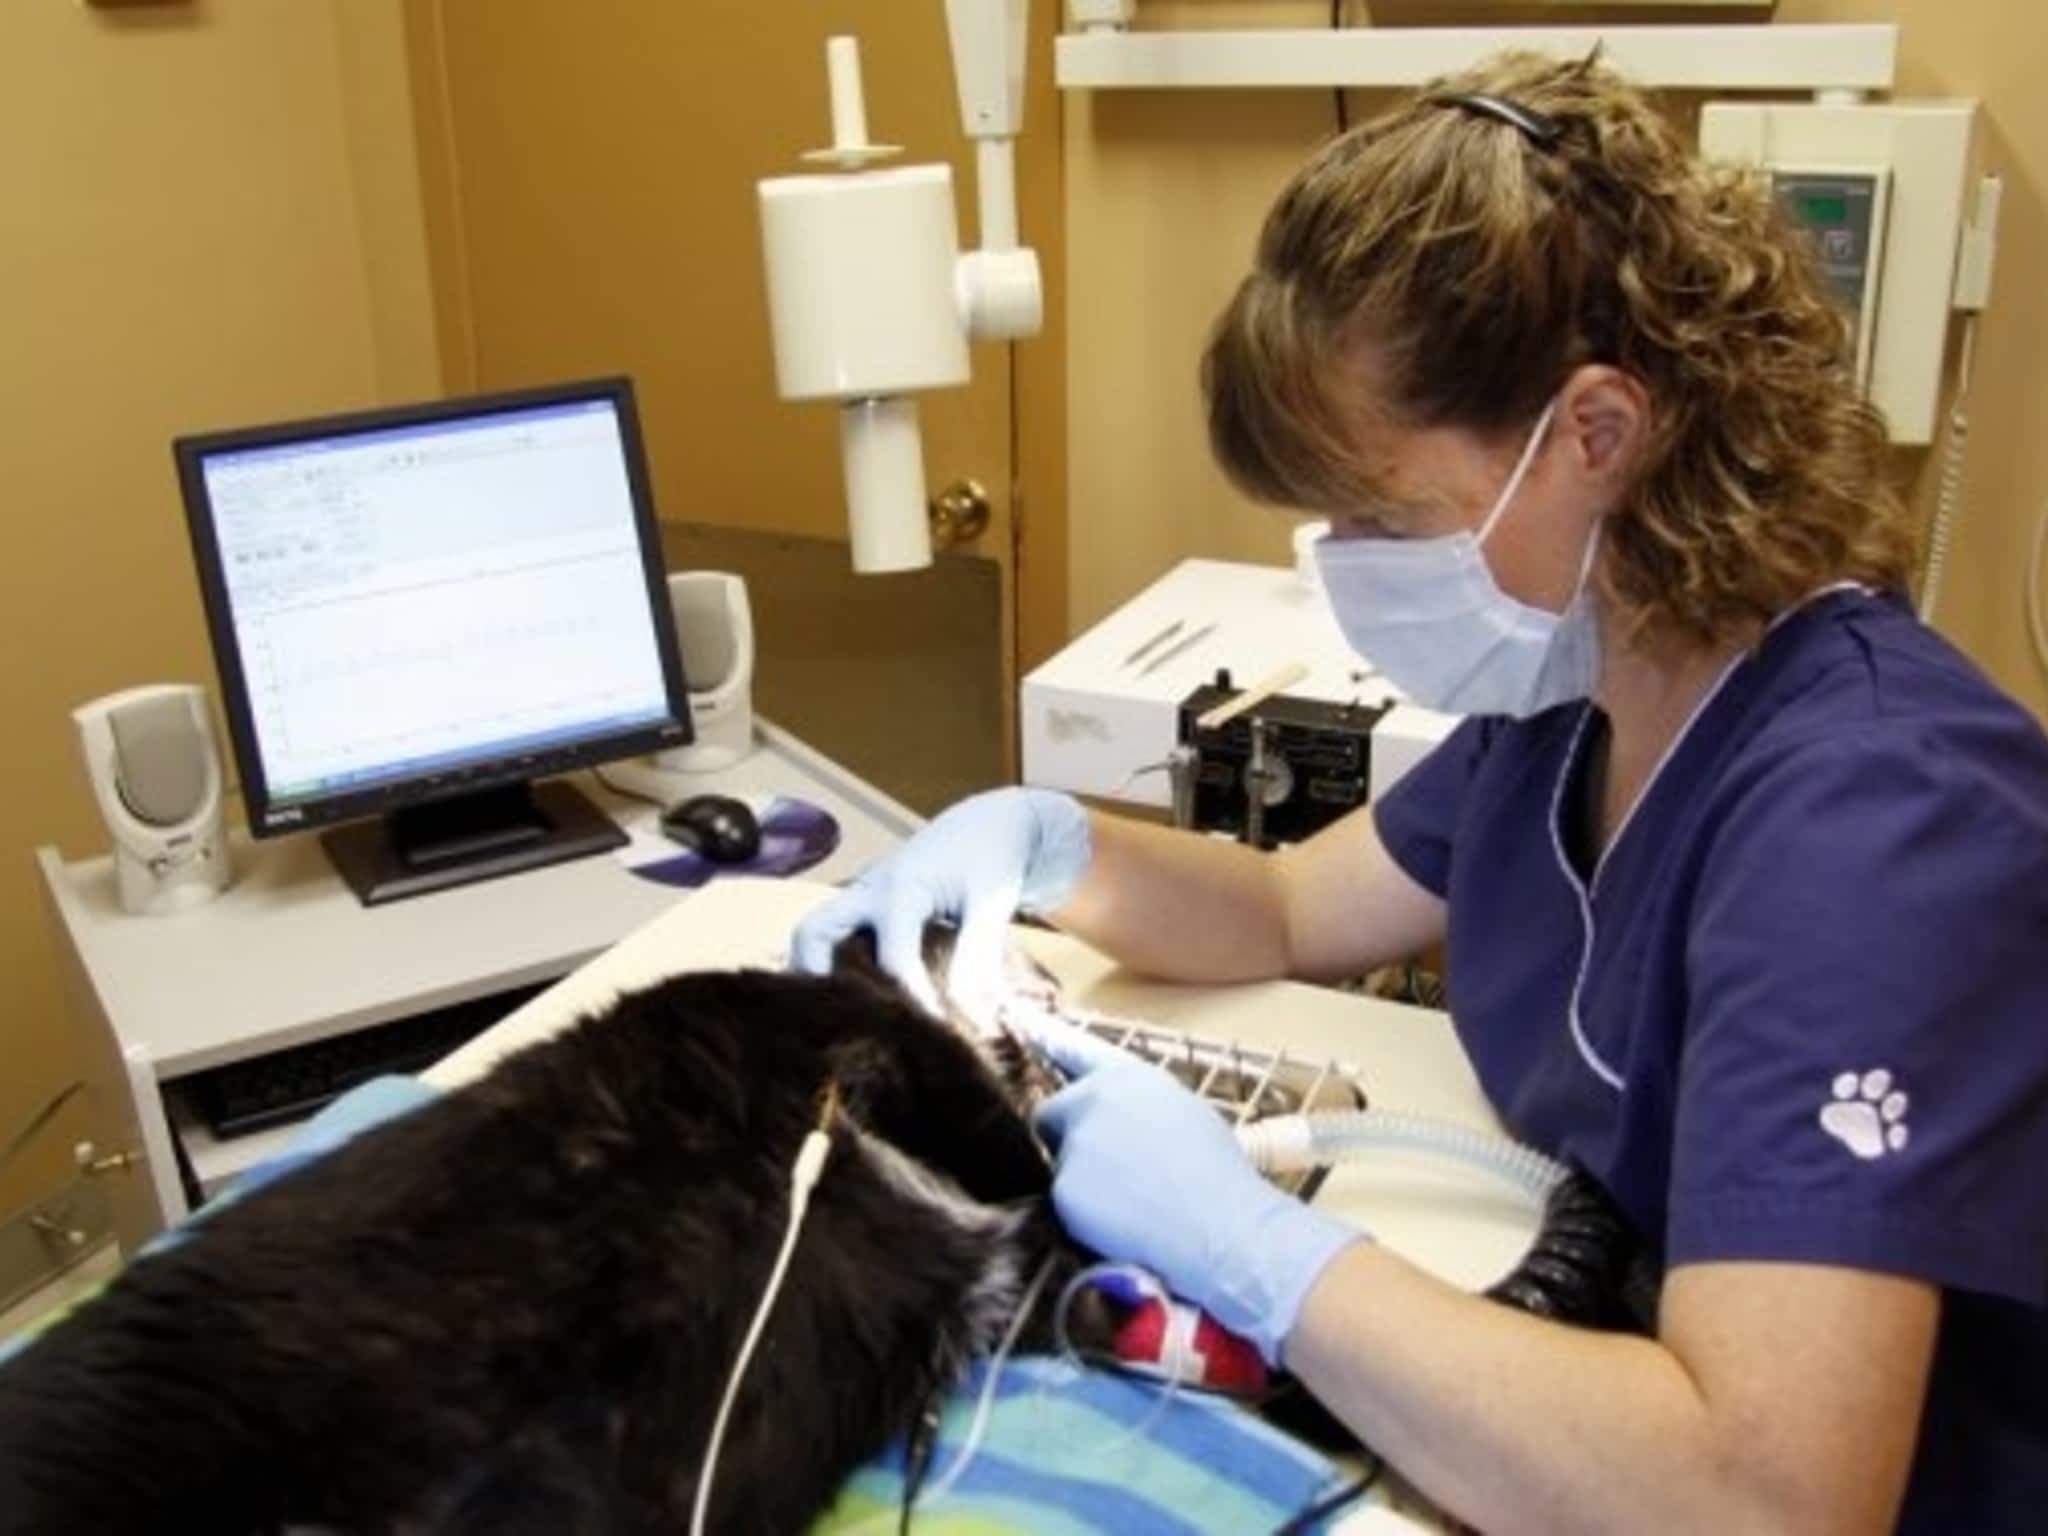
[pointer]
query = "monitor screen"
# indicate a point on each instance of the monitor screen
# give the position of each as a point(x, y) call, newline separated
point(408, 603)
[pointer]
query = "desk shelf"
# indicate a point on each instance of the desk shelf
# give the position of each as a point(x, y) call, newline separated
point(217, 1161)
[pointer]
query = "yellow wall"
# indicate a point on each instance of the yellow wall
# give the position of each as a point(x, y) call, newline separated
point(1164, 195)
point(210, 219)
point(593, 205)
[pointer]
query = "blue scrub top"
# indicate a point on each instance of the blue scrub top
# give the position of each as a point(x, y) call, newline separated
point(1799, 1009)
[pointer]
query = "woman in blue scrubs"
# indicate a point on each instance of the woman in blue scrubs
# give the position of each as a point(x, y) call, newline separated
point(1743, 872)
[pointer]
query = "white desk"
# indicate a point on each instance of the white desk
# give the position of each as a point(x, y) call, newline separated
point(288, 955)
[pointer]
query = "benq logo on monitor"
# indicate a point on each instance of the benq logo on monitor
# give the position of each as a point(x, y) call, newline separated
point(284, 818)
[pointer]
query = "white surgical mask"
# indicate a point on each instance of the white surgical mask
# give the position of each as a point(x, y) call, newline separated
point(1429, 614)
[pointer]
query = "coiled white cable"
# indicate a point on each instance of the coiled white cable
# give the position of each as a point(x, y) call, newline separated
point(2037, 625)
point(1948, 499)
point(1294, 1143)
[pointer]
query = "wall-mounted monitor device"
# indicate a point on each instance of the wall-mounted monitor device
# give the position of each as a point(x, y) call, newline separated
point(416, 613)
point(1843, 214)
point(1878, 188)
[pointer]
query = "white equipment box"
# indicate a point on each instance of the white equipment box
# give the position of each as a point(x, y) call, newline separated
point(1094, 722)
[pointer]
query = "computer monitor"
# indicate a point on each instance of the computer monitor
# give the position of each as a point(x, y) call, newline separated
point(418, 612)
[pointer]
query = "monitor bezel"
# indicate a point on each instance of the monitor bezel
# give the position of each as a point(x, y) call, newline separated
point(267, 819)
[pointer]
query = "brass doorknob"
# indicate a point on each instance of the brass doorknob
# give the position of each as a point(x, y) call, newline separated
point(959, 514)
point(89, 1161)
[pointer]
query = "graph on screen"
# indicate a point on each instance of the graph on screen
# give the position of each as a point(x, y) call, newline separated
point(421, 596)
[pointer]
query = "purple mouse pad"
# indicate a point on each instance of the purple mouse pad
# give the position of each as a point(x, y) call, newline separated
point(794, 836)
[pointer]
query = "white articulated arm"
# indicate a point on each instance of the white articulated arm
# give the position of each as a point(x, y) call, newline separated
point(1000, 292)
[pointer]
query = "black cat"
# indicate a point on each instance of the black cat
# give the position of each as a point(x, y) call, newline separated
point(515, 1309)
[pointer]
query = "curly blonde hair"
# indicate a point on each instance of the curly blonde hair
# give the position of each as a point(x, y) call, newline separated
point(1478, 264)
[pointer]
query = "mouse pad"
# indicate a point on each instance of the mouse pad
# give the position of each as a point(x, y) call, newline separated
point(795, 835)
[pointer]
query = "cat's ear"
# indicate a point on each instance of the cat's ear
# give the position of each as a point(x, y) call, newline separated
point(855, 959)
point(855, 962)
point(855, 956)
point(874, 1091)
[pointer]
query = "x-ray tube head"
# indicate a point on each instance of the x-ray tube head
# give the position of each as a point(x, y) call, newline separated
point(885, 496)
point(869, 296)
point(863, 303)
point(862, 287)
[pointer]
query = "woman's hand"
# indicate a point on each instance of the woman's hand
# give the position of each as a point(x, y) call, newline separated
point(1149, 1173)
point(980, 862)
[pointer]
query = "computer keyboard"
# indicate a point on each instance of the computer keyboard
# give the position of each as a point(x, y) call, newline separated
point(286, 1085)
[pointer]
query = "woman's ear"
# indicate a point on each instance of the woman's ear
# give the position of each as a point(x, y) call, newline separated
point(1604, 413)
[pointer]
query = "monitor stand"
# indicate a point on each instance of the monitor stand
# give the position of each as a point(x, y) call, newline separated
point(477, 836)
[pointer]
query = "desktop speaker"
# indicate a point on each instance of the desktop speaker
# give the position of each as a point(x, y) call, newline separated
point(151, 761)
point(715, 632)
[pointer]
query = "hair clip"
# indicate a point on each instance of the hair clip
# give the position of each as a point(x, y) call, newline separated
point(1538, 128)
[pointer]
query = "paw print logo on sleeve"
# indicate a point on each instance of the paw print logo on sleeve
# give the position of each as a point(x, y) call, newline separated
point(1866, 1114)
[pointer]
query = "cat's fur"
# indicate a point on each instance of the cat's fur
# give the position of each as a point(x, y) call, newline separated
point(515, 1309)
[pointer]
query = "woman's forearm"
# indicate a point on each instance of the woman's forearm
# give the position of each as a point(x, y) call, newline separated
point(1185, 907)
point(1503, 1421)
point(1794, 1407)
point(1178, 905)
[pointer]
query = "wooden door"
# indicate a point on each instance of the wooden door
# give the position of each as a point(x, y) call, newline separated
point(589, 169)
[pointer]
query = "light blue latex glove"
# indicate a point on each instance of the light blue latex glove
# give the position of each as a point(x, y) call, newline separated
point(1146, 1172)
point(980, 862)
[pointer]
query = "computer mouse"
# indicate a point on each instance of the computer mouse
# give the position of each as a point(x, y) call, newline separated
point(722, 829)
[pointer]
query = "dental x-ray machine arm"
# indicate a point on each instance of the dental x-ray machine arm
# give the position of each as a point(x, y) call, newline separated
point(869, 295)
